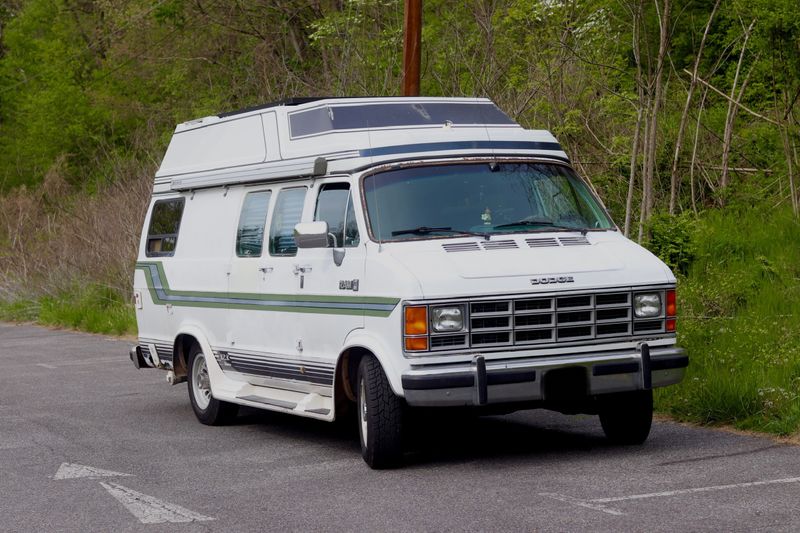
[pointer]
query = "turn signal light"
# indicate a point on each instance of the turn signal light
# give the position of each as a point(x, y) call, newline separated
point(416, 344)
point(672, 305)
point(416, 321)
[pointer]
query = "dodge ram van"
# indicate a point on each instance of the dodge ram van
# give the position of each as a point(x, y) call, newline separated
point(390, 254)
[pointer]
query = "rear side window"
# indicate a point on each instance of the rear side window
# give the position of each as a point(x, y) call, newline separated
point(165, 221)
point(335, 206)
point(250, 234)
point(288, 210)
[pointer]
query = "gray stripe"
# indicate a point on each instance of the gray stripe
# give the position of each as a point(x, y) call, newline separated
point(283, 365)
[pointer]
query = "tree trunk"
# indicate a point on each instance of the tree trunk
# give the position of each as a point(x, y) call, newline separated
point(732, 108)
point(789, 167)
point(637, 21)
point(694, 149)
point(675, 178)
point(649, 171)
point(632, 177)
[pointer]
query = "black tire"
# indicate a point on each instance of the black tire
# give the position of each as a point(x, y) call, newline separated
point(208, 410)
point(626, 417)
point(380, 416)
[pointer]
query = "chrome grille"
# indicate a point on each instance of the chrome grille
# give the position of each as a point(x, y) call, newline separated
point(550, 319)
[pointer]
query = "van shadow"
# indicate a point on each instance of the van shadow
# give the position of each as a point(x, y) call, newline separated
point(451, 437)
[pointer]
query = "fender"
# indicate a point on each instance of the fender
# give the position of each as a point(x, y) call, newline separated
point(217, 378)
point(361, 338)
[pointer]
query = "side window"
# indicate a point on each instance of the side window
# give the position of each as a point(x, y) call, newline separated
point(165, 221)
point(288, 210)
point(253, 218)
point(335, 206)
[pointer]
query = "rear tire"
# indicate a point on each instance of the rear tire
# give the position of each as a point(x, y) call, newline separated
point(380, 416)
point(626, 417)
point(208, 410)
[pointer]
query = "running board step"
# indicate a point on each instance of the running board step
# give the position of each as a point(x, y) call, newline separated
point(268, 401)
point(308, 404)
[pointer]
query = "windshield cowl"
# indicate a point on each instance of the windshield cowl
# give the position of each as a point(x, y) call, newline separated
point(493, 236)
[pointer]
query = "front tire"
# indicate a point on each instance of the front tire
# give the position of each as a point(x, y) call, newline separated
point(626, 417)
point(208, 410)
point(380, 416)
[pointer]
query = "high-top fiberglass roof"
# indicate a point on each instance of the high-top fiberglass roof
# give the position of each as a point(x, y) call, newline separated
point(326, 118)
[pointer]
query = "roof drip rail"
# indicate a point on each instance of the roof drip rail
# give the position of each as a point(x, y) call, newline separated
point(277, 171)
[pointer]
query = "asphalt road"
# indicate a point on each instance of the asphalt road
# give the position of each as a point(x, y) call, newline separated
point(88, 443)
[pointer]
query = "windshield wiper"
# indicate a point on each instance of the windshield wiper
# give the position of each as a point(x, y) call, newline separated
point(425, 230)
point(533, 222)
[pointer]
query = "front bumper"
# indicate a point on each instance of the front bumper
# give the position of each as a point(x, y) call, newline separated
point(523, 380)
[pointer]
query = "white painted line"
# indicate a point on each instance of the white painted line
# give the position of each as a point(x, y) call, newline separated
point(598, 504)
point(150, 510)
point(73, 471)
point(43, 365)
point(696, 490)
point(581, 503)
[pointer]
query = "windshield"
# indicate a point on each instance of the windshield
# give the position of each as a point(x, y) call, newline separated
point(479, 198)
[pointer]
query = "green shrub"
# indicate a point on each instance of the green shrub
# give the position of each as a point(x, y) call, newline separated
point(739, 310)
point(672, 240)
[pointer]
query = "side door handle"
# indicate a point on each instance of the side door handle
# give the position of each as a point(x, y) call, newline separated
point(302, 271)
point(264, 269)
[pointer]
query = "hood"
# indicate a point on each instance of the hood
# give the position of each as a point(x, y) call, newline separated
point(520, 263)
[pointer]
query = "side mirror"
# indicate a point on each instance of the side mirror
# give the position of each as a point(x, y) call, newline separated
point(311, 234)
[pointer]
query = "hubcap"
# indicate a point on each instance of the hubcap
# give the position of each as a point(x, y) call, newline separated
point(362, 410)
point(201, 385)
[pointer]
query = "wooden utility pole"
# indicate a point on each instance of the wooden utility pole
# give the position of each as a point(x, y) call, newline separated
point(412, 43)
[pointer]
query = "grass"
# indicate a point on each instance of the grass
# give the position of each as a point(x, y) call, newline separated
point(94, 308)
point(739, 309)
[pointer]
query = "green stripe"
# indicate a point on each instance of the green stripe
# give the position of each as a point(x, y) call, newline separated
point(144, 266)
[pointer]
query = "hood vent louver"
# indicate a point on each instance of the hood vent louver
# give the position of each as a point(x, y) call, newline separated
point(499, 245)
point(461, 247)
point(574, 241)
point(537, 242)
point(545, 242)
point(542, 242)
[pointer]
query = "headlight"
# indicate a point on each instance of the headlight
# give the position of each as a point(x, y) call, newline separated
point(647, 305)
point(447, 319)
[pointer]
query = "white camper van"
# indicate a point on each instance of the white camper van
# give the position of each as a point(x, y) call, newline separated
point(394, 253)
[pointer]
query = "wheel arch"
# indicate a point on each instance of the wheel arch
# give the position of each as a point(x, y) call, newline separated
point(186, 337)
point(349, 358)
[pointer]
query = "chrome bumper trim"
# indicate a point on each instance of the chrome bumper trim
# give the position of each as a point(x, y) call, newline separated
point(521, 380)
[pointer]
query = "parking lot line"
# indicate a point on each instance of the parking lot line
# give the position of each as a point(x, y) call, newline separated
point(598, 504)
point(697, 489)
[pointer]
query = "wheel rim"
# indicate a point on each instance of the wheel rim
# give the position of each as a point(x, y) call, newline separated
point(362, 410)
point(201, 386)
